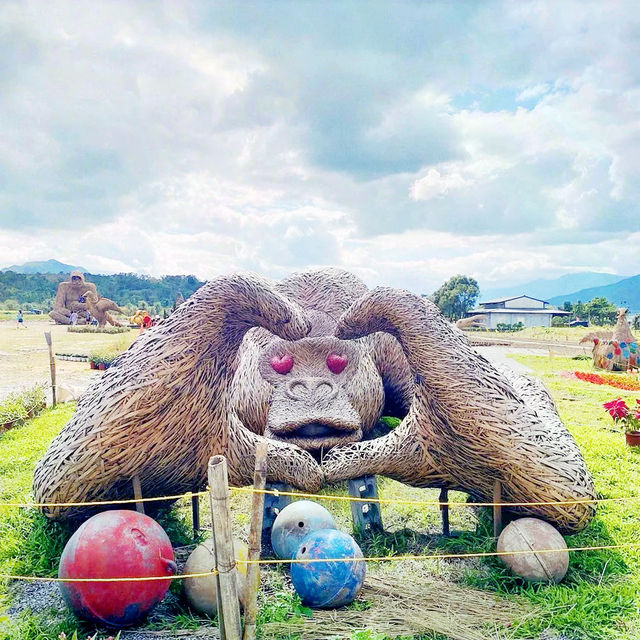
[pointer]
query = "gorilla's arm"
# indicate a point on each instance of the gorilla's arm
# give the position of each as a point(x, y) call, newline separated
point(60, 302)
point(163, 408)
point(467, 425)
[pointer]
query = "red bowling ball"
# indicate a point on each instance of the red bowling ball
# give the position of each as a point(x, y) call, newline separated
point(116, 544)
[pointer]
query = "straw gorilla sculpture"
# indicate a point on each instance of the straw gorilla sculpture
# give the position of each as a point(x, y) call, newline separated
point(311, 363)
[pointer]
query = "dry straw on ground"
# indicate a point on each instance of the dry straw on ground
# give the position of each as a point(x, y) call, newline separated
point(407, 604)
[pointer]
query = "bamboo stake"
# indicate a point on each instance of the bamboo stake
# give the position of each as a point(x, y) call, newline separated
point(255, 543)
point(228, 605)
point(52, 367)
point(137, 493)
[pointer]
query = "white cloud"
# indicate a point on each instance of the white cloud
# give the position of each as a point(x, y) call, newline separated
point(205, 139)
point(533, 92)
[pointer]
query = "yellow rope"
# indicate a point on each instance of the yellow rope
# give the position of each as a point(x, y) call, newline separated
point(297, 494)
point(101, 503)
point(435, 503)
point(432, 556)
point(5, 576)
point(438, 556)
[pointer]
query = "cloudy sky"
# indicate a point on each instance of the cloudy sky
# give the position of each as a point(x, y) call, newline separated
point(406, 141)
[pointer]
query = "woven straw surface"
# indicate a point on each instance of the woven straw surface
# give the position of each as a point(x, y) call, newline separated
point(200, 384)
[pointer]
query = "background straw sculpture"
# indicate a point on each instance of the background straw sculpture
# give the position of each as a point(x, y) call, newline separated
point(204, 382)
point(615, 350)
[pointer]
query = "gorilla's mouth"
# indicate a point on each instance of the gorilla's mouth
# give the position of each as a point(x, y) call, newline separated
point(316, 435)
point(316, 430)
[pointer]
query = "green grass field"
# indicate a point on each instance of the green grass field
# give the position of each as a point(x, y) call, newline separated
point(599, 598)
point(562, 335)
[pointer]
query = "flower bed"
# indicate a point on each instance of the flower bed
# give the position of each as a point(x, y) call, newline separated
point(102, 358)
point(75, 357)
point(620, 381)
point(84, 328)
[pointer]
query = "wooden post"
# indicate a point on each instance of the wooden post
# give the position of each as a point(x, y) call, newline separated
point(137, 494)
point(444, 509)
point(366, 515)
point(52, 367)
point(497, 509)
point(195, 516)
point(228, 605)
point(255, 543)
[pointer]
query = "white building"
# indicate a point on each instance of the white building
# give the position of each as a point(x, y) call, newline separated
point(530, 311)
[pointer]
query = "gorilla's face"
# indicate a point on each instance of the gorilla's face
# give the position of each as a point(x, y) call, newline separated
point(312, 404)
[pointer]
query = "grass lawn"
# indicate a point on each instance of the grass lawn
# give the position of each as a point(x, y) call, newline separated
point(599, 598)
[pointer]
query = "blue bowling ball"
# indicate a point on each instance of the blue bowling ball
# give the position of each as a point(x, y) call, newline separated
point(328, 584)
point(296, 521)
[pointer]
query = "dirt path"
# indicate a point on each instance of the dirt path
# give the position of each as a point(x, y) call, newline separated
point(24, 355)
point(529, 344)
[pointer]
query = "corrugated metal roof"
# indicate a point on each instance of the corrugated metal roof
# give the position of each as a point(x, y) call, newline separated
point(512, 298)
point(518, 311)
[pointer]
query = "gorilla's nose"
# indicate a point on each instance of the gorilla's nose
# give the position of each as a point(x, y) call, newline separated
point(311, 389)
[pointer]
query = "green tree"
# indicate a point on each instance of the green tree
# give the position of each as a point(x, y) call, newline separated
point(601, 311)
point(456, 296)
point(11, 304)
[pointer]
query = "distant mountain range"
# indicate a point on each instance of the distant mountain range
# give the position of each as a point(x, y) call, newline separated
point(43, 266)
point(557, 287)
point(625, 293)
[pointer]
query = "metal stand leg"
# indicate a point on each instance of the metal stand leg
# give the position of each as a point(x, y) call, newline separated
point(195, 516)
point(444, 510)
point(273, 505)
point(366, 515)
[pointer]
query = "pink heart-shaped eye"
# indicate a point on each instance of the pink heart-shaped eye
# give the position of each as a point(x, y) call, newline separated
point(282, 364)
point(336, 363)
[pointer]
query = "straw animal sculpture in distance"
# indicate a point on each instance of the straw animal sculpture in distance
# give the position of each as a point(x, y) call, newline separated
point(311, 363)
point(99, 308)
point(69, 299)
point(615, 350)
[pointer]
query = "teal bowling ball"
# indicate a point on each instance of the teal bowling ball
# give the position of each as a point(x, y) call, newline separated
point(328, 585)
point(296, 521)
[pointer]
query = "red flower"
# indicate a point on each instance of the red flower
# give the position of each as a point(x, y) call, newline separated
point(617, 408)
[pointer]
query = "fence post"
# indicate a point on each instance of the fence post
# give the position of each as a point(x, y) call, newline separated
point(228, 605)
point(52, 367)
point(255, 546)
